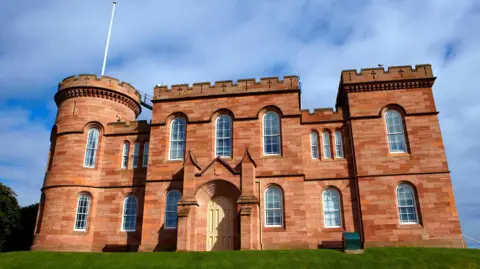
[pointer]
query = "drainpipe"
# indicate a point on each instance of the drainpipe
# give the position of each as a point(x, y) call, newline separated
point(355, 179)
point(260, 214)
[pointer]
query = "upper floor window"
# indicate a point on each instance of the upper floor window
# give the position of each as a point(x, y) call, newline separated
point(177, 139)
point(314, 143)
point(136, 149)
point(126, 149)
point(171, 209)
point(145, 154)
point(332, 215)
point(81, 217)
point(223, 140)
point(407, 208)
point(91, 148)
point(273, 207)
point(327, 153)
point(271, 134)
point(129, 219)
point(395, 132)
point(338, 144)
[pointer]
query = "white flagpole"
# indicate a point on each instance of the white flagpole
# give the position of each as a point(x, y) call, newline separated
point(108, 39)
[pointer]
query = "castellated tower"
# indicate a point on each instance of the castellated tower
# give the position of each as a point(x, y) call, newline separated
point(95, 119)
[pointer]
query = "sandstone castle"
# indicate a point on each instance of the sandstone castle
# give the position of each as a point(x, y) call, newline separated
point(238, 166)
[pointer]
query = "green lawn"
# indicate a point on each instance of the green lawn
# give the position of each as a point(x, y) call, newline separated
point(293, 259)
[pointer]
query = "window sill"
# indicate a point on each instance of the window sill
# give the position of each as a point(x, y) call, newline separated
point(274, 229)
point(272, 156)
point(409, 226)
point(127, 231)
point(170, 228)
point(399, 154)
point(79, 232)
point(175, 161)
point(334, 229)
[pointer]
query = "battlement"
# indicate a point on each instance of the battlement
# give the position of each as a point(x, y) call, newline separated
point(393, 73)
point(121, 127)
point(321, 115)
point(243, 86)
point(104, 82)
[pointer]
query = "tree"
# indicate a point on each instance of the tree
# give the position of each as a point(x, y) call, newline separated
point(9, 212)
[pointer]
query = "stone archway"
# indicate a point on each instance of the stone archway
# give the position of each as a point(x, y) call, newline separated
point(217, 222)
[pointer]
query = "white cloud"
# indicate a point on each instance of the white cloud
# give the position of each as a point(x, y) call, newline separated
point(189, 41)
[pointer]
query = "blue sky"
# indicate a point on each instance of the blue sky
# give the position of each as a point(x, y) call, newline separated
point(187, 41)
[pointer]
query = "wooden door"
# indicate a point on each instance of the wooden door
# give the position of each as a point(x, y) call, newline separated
point(220, 218)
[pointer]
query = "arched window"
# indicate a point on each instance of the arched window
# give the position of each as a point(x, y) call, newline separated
point(223, 138)
point(407, 208)
point(171, 209)
point(145, 154)
point(129, 220)
point(395, 133)
point(136, 149)
point(273, 207)
point(81, 218)
point(271, 134)
point(91, 148)
point(338, 144)
point(327, 152)
point(332, 215)
point(126, 149)
point(177, 139)
point(314, 143)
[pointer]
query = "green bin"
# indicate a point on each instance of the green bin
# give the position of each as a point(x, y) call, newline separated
point(351, 241)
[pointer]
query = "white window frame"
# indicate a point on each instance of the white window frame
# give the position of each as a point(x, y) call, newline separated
point(314, 145)
point(228, 137)
point(414, 204)
point(87, 196)
point(265, 209)
point(136, 151)
point(125, 152)
point(172, 192)
point(171, 141)
point(270, 135)
point(400, 134)
point(145, 154)
point(135, 215)
point(339, 144)
point(327, 145)
point(335, 211)
point(95, 132)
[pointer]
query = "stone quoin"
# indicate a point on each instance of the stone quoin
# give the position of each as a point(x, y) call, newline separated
point(239, 166)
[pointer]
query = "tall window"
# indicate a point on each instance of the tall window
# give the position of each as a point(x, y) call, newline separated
point(332, 215)
point(136, 149)
point(273, 207)
point(271, 134)
point(145, 154)
point(177, 139)
point(129, 220)
point(82, 212)
point(126, 149)
point(314, 143)
point(91, 148)
point(171, 209)
point(338, 144)
point(395, 133)
point(327, 153)
point(407, 208)
point(224, 136)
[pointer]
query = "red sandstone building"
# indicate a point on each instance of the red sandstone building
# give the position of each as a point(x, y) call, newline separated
point(241, 166)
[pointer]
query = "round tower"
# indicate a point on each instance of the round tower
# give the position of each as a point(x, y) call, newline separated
point(78, 152)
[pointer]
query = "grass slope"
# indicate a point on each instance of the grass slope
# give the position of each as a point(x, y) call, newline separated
point(390, 258)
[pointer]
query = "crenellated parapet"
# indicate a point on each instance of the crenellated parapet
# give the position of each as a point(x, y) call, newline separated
point(321, 115)
point(87, 85)
point(392, 78)
point(227, 87)
point(123, 128)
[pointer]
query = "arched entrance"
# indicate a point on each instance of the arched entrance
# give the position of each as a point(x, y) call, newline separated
point(218, 222)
